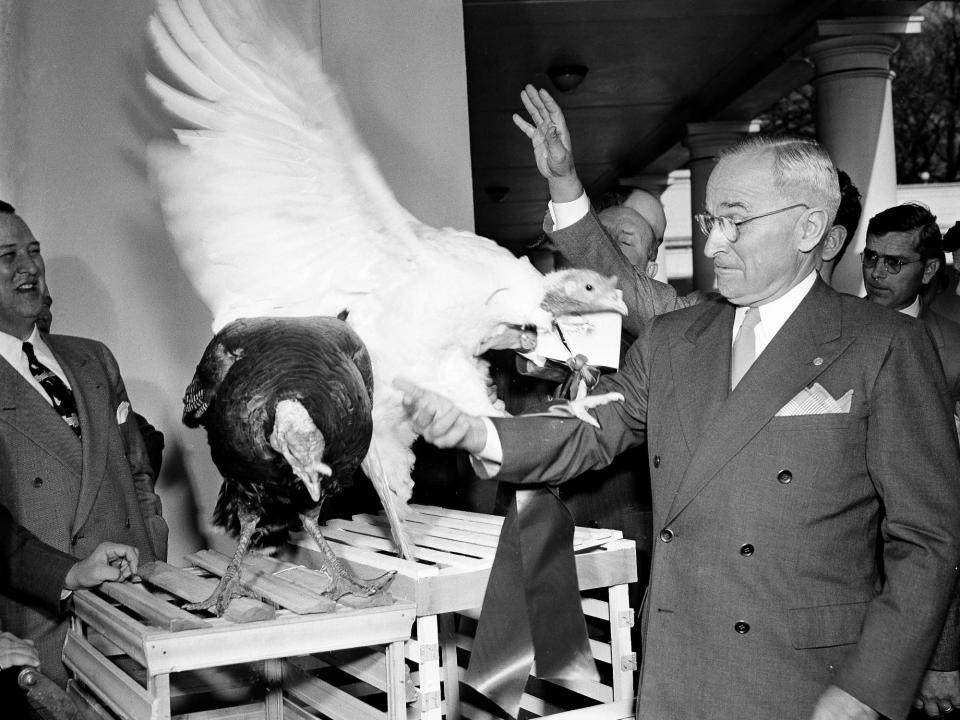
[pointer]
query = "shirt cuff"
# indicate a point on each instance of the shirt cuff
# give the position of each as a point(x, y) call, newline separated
point(488, 461)
point(568, 213)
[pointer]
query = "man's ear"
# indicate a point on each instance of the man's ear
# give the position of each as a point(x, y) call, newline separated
point(833, 242)
point(813, 225)
point(930, 268)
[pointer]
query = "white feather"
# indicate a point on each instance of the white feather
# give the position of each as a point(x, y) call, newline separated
point(276, 208)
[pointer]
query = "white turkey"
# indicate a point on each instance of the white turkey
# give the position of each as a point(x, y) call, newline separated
point(277, 209)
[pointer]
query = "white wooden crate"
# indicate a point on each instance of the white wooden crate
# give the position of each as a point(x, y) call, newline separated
point(126, 641)
point(454, 553)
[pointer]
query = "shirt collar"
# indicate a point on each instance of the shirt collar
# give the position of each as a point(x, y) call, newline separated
point(11, 347)
point(913, 309)
point(775, 313)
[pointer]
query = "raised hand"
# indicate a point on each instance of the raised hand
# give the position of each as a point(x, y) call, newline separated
point(552, 148)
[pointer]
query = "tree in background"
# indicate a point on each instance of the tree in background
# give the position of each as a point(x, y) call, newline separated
point(926, 100)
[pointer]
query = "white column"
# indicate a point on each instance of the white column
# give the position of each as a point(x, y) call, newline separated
point(855, 116)
point(705, 141)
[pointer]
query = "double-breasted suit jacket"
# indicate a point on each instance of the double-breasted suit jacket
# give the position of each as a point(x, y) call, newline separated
point(766, 585)
point(72, 494)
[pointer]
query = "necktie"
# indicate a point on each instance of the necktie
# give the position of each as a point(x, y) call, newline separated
point(744, 347)
point(62, 397)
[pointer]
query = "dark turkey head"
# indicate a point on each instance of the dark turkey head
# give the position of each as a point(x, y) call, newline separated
point(578, 291)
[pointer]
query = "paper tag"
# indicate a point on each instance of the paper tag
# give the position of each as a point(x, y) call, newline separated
point(595, 336)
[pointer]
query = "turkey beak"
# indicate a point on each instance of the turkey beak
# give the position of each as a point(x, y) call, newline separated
point(311, 481)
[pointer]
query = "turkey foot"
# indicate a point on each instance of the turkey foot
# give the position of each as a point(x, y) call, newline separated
point(229, 586)
point(343, 582)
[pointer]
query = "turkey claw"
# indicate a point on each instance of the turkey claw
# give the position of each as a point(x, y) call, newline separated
point(362, 593)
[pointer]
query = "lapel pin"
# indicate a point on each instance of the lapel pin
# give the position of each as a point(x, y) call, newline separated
point(818, 361)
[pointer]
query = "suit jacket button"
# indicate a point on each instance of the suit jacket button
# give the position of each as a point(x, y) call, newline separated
point(742, 627)
point(784, 476)
point(666, 535)
point(37, 482)
point(126, 524)
point(656, 461)
point(746, 550)
point(75, 539)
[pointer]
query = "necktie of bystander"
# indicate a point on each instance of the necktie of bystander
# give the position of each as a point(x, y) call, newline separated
point(63, 400)
point(744, 347)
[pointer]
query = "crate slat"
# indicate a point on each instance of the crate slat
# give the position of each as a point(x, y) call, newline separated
point(117, 689)
point(193, 588)
point(336, 703)
point(155, 610)
point(119, 629)
point(275, 589)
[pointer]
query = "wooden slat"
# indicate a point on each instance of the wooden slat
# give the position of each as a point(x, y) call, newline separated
point(192, 588)
point(121, 693)
point(419, 538)
point(253, 711)
point(289, 635)
point(435, 527)
point(616, 710)
point(316, 581)
point(329, 700)
point(276, 590)
point(379, 544)
point(120, 629)
point(157, 612)
point(367, 665)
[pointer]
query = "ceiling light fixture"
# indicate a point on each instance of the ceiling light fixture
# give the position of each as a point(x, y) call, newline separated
point(566, 78)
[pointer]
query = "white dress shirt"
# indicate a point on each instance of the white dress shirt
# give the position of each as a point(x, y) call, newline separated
point(11, 350)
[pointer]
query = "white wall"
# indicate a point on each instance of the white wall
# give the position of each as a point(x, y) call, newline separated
point(74, 98)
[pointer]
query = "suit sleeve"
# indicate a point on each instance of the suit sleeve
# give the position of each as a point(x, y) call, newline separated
point(544, 448)
point(586, 244)
point(139, 461)
point(913, 462)
point(29, 567)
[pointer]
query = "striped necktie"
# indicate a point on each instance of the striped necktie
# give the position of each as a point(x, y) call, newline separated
point(63, 400)
point(744, 347)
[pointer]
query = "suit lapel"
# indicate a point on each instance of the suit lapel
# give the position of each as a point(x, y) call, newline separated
point(90, 388)
point(806, 345)
point(700, 359)
point(23, 408)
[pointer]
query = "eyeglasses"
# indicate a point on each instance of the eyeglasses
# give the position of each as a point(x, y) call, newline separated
point(892, 263)
point(730, 227)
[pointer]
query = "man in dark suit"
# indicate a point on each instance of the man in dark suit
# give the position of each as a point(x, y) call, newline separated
point(903, 254)
point(72, 464)
point(774, 481)
point(904, 251)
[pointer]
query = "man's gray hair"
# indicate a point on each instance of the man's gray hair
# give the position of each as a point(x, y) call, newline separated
point(804, 170)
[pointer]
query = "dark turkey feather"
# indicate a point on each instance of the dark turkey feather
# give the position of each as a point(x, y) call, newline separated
point(247, 369)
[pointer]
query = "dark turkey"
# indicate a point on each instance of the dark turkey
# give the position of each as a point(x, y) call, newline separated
point(286, 403)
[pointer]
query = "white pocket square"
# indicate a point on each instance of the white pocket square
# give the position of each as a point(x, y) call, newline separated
point(815, 400)
point(123, 409)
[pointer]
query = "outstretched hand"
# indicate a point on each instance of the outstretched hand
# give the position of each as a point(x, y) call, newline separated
point(551, 143)
point(109, 561)
point(440, 421)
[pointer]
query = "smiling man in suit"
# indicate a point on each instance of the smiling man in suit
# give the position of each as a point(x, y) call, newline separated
point(791, 431)
point(69, 472)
